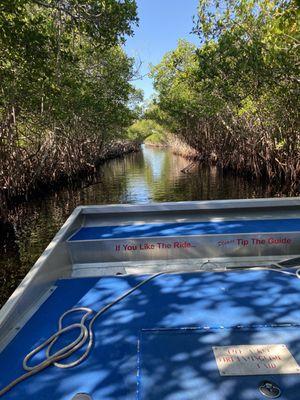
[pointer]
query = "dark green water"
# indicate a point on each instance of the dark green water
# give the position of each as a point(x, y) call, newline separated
point(151, 175)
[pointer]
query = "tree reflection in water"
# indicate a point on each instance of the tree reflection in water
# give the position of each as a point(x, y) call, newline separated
point(153, 174)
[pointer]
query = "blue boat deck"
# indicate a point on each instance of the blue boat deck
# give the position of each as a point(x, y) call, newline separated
point(187, 229)
point(157, 343)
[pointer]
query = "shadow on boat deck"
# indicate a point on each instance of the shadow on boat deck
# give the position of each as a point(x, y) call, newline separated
point(171, 363)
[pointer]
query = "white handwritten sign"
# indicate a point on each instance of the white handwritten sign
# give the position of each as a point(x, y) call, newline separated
point(264, 359)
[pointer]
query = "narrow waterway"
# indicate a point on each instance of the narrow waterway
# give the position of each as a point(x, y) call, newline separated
point(152, 175)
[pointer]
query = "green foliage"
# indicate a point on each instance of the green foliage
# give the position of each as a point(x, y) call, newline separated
point(52, 50)
point(145, 128)
point(64, 81)
point(157, 139)
point(236, 96)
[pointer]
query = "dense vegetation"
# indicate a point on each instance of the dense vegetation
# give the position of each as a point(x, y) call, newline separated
point(65, 87)
point(235, 97)
point(149, 132)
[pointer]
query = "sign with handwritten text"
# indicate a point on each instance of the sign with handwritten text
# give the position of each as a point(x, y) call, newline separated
point(264, 359)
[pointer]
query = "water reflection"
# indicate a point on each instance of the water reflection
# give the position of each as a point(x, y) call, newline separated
point(150, 175)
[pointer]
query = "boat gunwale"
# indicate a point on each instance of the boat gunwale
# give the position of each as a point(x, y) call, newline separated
point(10, 309)
point(203, 205)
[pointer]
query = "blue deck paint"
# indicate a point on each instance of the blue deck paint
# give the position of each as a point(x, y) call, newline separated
point(185, 361)
point(187, 229)
point(178, 362)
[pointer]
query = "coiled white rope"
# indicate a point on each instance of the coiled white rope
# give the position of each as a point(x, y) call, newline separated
point(86, 334)
point(296, 274)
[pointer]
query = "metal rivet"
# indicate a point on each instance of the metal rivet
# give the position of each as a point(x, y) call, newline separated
point(82, 396)
point(269, 389)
